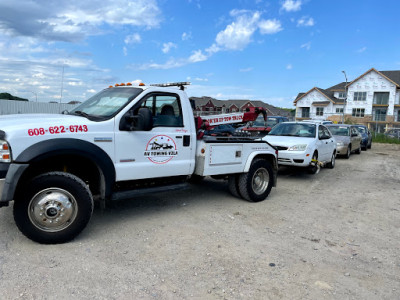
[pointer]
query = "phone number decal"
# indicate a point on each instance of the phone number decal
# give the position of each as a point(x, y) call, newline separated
point(57, 130)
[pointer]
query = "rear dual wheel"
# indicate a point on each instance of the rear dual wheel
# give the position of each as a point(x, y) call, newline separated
point(255, 185)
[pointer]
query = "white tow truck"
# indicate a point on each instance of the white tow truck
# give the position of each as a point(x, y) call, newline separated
point(122, 142)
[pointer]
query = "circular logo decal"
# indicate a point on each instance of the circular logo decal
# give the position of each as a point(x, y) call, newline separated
point(161, 149)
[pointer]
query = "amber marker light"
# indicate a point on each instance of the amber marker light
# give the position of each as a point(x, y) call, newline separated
point(141, 84)
point(129, 84)
point(5, 146)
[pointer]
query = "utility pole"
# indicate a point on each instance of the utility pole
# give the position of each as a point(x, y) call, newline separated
point(35, 95)
point(345, 97)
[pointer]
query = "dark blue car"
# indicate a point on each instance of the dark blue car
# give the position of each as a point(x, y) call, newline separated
point(366, 142)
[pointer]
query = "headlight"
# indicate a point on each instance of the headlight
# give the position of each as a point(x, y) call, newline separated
point(5, 152)
point(300, 147)
point(340, 144)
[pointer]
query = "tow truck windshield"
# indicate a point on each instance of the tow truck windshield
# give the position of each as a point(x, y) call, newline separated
point(106, 104)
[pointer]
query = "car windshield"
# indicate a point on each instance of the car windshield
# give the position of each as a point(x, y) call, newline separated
point(106, 103)
point(339, 130)
point(271, 122)
point(294, 129)
point(361, 129)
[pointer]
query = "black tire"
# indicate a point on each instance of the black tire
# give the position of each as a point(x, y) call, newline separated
point(53, 208)
point(314, 168)
point(255, 185)
point(332, 163)
point(369, 146)
point(358, 151)
point(347, 155)
point(233, 185)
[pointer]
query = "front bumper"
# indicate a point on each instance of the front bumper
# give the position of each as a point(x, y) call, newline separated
point(294, 158)
point(341, 150)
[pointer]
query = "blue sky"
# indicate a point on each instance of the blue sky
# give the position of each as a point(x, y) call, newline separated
point(228, 49)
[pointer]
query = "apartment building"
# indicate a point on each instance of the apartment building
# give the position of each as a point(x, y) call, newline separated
point(371, 99)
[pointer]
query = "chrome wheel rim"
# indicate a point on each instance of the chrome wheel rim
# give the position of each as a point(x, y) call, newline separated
point(260, 181)
point(52, 209)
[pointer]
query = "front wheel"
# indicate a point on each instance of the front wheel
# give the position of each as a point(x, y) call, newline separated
point(255, 185)
point(332, 163)
point(53, 208)
point(314, 166)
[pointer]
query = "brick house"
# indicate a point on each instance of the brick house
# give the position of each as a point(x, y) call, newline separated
point(209, 106)
point(371, 99)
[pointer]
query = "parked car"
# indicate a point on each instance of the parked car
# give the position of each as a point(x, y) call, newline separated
point(348, 139)
point(260, 127)
point(303, 144)
point(221, 130)
point(366, 136)
point(393, 133)
point(274, 120)
point(323, 122)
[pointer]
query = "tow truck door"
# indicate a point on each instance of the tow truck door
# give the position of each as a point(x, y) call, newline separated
point(166, 150)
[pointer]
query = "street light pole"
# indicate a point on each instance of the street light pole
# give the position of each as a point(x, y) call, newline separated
point(35, 95)
point(345, 97)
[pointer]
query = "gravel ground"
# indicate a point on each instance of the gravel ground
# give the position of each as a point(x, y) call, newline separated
point(334, 235)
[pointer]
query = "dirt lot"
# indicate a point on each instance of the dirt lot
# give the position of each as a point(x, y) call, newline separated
point(334, 235)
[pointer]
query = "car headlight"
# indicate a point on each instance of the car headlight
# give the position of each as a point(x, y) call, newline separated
point(5, 152)
point(300, 147)
point(340, 144)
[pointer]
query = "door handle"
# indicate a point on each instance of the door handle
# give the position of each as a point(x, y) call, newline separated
point(186, 140)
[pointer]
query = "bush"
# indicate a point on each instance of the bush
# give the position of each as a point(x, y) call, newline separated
point(381, 138)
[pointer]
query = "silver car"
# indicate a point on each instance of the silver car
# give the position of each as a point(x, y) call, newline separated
point(348, 139)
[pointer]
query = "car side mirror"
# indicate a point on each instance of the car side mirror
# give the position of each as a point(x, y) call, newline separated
point(143, 121)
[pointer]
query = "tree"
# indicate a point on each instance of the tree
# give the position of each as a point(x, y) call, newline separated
point(7, 96)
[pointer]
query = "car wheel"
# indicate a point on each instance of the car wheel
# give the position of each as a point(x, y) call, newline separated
point(347, 155)
point(53, 208)
point(314, 167)
point(358, 151)
point(369, 146)
point(332, 163)
point(255, 185)
point(233, 186)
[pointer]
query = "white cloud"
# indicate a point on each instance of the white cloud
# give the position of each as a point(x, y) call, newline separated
point(246, 70)
point(133, 39)
point(237, 35)
point(186, 36)
point(136, 82)
point(74, 20)
point(197, 56)
point(125, 50)
point(91, 91)
point(291, 5)
point(168, 46)
point(289, 67)
point(305, 22)
point(361, 50)
point(306, 46)
point(270, 26)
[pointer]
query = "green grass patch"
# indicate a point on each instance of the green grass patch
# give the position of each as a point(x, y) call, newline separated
point(381, 138)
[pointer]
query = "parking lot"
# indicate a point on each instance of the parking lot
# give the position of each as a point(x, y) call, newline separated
point(333, 235)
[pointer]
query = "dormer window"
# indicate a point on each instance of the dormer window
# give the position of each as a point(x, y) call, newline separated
point(342, 95)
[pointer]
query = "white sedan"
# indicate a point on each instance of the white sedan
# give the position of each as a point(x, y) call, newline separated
point(303, 144)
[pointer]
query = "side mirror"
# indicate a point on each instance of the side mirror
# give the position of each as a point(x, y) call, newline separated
point(143, 121)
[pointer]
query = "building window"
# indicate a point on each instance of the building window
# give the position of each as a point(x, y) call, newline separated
point(320, 111)
point(397, 116)
point(358, 112)
point(305, 112)
point(342, 95)
point(339, 110)
point(379, 114)
point(360, 96)
point(381, 98)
